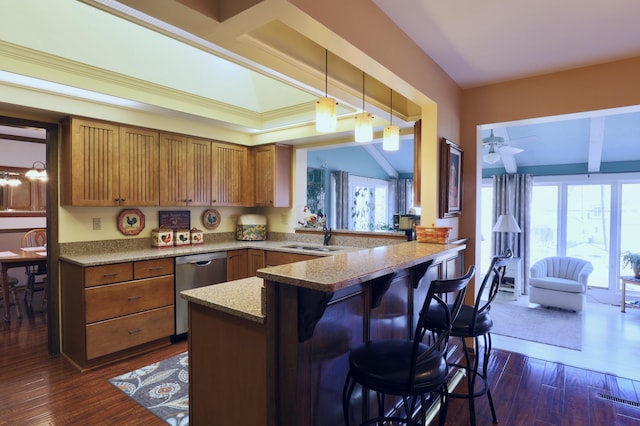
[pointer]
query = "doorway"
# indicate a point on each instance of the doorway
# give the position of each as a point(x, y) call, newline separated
point(51, 161)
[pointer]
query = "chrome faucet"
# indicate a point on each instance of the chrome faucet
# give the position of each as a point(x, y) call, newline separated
point(327, 235)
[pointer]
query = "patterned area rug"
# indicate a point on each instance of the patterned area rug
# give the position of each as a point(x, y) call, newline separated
point(162, 388)
point(543, 325)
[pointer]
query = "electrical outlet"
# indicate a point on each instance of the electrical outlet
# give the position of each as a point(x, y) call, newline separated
point(97, 223)
point(284, 219)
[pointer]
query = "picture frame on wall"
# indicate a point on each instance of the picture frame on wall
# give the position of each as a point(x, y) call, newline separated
point(451, 163)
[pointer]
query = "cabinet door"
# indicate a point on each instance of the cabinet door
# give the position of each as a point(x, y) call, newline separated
point(255, 260)
point(236, 264)
point(230, 185)
point(273, 175)
point(89, 163)
point(138, 167)
point(173, 170)
point(199, 172)
point(264, 164)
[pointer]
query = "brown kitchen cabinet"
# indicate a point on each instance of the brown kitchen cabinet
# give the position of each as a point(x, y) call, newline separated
point(275, 258)
point(272, 167)
point(29, 196)
point(231, 182)
point(236, 264)
point(113, 311)
point(185, 171)
point(256, 259)
point(105, 164)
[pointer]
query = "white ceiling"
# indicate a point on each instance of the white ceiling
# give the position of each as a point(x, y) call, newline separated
point(481, 42)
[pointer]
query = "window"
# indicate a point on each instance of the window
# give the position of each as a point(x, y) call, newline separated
point(595, 218)
point(369, 202)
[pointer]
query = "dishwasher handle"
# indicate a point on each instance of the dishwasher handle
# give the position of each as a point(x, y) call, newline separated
point(200, 262)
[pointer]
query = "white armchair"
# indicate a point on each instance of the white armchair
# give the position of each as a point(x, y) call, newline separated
point(560, 282)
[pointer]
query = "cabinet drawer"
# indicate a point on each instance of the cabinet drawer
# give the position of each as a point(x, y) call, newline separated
point(114, 335)
point(275, 258)
point(114, 300)
point(152, 268)
point(107, 274)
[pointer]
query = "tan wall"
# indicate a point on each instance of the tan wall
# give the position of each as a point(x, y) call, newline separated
point(585, 89)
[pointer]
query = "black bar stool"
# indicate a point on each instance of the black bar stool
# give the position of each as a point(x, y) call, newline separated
point(410, 369)
point(475, 322)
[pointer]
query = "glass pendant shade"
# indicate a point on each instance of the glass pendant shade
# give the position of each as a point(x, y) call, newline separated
point(326, 118)
point(364, 127)
point(391, 138)
point(492, 156)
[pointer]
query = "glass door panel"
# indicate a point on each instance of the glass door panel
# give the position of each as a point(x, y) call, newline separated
point(588, 228)
point(629, 222)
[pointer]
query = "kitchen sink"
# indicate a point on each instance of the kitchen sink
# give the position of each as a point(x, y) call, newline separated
point(311, 248)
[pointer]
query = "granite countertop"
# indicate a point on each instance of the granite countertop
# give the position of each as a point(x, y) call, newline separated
point(244, 298)
point(115, 256)
point(345, 269)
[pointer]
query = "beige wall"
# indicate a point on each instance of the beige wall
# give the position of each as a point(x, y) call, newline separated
point(585, 89)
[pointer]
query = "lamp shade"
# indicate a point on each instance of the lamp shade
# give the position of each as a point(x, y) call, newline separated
point(506, 223)
point(391, 138)
point(491, 157)
point(326, 118)
point(364, 128)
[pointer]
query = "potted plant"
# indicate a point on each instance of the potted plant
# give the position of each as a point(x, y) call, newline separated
point(633, 260)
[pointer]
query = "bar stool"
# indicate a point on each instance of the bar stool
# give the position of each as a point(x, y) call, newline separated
point(409, 369)
point(11, 285)
point(475, 322)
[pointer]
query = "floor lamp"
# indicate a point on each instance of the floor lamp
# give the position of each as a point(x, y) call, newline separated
point(507, 224)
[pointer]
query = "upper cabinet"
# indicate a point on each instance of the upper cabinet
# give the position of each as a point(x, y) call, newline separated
point(231, 181)
point(185, 171)
point(103, 164)
point(272, 175)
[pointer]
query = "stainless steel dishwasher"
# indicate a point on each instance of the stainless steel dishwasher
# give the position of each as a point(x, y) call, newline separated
point(197, 270)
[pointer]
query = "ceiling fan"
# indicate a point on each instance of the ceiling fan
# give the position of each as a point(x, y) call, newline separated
point(498, 150)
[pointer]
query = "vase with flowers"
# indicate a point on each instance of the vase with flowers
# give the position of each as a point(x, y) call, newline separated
point(633, 260)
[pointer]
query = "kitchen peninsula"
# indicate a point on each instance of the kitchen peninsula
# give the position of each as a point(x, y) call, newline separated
point(278, 356)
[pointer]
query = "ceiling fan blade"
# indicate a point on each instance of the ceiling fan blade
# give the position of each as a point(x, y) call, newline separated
point(510, 149)
point(509, 161)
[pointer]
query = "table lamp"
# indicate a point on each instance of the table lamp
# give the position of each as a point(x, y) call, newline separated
point(507, 224)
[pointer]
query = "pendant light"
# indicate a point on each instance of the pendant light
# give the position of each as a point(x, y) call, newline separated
point(364, 128)
point(326, 118)
point(37, 172)
point(391, 133)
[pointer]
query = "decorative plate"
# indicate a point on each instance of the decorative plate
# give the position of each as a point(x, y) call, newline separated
point(131, 221)
point(211, 218)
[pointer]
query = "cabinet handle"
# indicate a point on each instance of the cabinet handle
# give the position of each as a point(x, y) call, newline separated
point(123, 199)
point(135, 331)
point(130, 298)
point(157, 268)
point(110, 275)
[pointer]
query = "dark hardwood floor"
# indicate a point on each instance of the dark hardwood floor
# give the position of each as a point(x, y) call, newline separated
point(39, 389)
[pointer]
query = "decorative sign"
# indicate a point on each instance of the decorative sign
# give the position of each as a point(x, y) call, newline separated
point(131, 221)
point(211, 219)
point(179, 219)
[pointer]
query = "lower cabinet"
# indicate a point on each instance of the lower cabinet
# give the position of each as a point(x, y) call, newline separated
point(113, 311)
point(236, 264)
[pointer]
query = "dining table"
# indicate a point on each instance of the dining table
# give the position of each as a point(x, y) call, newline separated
point(14, 259)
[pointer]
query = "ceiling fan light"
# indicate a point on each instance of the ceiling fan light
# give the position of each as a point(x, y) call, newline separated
point(391, 138)
point(491, 157)
point(364, 127)
point(326, 117)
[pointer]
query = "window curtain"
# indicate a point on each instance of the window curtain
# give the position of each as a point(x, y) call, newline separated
point(340, 208)
point(512, 195)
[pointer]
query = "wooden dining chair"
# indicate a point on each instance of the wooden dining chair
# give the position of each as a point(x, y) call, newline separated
point(36, 274)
